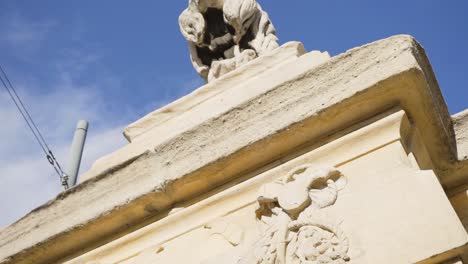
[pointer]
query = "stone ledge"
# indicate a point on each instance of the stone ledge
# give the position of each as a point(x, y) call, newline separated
point(285, 53)
point(237, 130)
point(179, 116)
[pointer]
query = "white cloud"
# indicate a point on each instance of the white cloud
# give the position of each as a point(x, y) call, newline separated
point(22, 33)
point(74, 81)
point(56, 103)
point(26, 178)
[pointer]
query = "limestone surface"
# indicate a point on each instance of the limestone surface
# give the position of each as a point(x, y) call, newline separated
point(272, 116)
point(321, 210)
point(274, 59)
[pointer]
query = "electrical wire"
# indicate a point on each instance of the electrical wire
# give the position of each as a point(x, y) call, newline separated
point(33, 127)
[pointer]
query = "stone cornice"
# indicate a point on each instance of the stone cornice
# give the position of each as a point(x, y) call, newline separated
point(237, 131)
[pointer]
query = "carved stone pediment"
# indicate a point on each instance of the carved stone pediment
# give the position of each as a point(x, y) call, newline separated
point(293, 227)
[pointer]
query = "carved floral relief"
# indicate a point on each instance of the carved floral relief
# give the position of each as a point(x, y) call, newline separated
point(294, 228)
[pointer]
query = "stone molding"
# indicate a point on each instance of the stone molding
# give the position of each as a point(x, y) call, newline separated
point(284, 54)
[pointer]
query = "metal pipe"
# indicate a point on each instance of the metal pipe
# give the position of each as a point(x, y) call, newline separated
point(76, 152)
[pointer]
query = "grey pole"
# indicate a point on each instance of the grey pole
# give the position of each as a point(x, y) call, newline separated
point(76, 152)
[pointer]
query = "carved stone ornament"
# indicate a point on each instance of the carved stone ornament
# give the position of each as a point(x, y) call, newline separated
point(225, 34)
point(294, 228)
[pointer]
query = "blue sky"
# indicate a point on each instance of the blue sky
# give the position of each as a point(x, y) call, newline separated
point(111, 62)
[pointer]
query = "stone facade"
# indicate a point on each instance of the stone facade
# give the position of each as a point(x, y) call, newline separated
point(294, 157)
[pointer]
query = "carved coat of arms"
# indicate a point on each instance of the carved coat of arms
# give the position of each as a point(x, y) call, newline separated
point(294, 228)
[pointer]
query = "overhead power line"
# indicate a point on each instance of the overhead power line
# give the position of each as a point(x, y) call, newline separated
point(33, 127)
